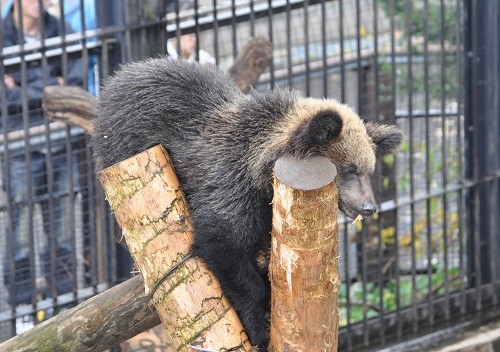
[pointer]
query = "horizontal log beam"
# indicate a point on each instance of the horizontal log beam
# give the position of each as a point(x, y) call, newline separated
point(96, 324)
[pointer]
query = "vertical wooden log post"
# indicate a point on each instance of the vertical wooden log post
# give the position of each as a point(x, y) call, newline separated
point(304, 274)
point(149, 205)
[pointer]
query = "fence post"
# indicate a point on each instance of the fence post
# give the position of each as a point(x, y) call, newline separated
point(482, 115)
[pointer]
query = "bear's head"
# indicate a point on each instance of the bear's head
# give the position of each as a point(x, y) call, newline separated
point(332, 129)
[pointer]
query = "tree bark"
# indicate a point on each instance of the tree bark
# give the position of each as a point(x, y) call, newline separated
point(304, 274)
point(251, 62)
point(73, 105)
point(158, 233)
point(94, 325)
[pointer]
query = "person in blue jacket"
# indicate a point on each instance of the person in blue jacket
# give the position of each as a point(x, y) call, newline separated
point(73, 15)
point(37, 181)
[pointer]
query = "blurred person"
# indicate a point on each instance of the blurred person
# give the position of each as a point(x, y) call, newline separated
point(73, 11)
point(188, 50)
point(12, 34)
point(187, 42)
point(49, 169)
point(73, 14)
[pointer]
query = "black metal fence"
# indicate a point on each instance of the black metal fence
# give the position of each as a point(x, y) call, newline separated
point(427, 262)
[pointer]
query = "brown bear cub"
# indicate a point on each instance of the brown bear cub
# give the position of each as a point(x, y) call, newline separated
point(224, 145)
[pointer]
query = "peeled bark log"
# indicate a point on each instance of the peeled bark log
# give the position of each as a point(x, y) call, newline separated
point(304, 274)
point(73, 105)
point(145, 196)
point(251, 62)
point(94, 325)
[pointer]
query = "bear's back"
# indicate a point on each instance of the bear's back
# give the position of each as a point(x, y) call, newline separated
point(158, 101)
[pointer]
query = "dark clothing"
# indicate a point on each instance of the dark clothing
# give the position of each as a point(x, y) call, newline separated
point(35, 81)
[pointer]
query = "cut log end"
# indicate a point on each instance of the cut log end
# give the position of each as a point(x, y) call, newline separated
point(305, 174)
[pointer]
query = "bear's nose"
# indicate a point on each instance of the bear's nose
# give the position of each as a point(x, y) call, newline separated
point(368, 209)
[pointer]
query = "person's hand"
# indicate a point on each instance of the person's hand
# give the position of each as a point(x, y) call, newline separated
point(60, 80)
point(9, 81)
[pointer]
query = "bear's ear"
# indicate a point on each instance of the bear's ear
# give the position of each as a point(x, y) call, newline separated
point(387, 138)
point(318, 131)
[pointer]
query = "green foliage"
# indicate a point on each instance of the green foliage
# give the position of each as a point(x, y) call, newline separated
point(440, 19)
point(431, 26)
point(406, 288)
point(389, 159)
point(439, 84)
